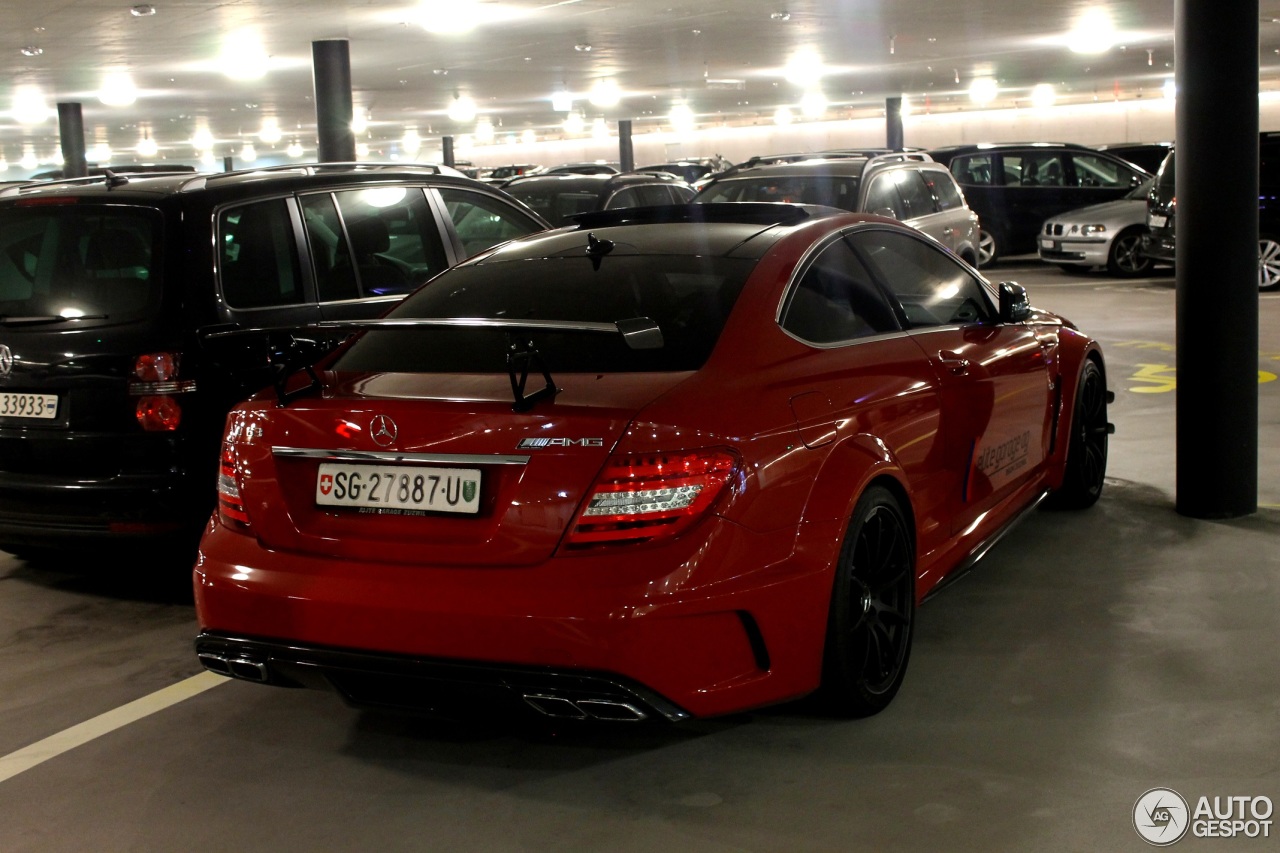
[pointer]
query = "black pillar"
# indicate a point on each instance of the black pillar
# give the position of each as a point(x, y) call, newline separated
point(1215, 46)
point(446, 151)
point(228, 164)
point(893, 123)
point(71, 132)
point(626, 154)
point(331, 70)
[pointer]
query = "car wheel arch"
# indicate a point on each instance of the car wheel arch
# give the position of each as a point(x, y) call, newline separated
point(851, 467)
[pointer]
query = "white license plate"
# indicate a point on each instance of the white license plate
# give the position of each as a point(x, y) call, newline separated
point(398, 488)
point(1155, 220)
point(41, 406)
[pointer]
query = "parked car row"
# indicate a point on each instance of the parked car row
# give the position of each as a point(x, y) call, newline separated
point(431, 451)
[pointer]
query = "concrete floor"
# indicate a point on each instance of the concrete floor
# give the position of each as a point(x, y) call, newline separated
point(1090, 657)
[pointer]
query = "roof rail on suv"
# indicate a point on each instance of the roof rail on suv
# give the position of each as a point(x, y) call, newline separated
point(750, 212)
point(201, 181)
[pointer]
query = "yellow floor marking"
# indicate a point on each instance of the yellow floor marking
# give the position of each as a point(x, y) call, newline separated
point(54, 745)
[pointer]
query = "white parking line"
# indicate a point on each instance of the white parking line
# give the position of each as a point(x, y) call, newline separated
point(54, 745)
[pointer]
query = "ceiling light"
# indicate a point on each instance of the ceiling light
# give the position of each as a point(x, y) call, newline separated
point(582, 48)
point(462, 109)
point(207, 159)
point(100, 153)
point(117, 90)
point(1170, 89)
point(682, 118)
point(782, 116)
point(270, 132)
point(143, 10)
point(32, 50)
point(780, 16)
point(574, 123)
point(362, 149)
point(1093, 32)
point(411, 142)
point(29, 106)
point(248, 153)
point(983, 90)
point(202, 139)
point(484, 131)
point(147, 147)
point(243, 57)
point(562, 102)
point(528, 137)
point(605, 93)
point(599, 130)
point(28, 160)
point(294, 149)
point(1043, 96)
point(813, 104)
point(359, 122)
point(804, 69)
point(4, 164)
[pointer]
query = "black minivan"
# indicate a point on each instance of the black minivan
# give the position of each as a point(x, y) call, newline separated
point(113, 392)
point(1159, 242)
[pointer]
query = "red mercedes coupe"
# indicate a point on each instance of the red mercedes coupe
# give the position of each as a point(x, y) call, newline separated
point(664, 463)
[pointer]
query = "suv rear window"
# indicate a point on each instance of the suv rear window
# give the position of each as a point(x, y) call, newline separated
point(98, 262)
point(829, 190)
point(688, 297)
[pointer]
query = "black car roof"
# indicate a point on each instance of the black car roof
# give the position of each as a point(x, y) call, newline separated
point(744, 229)
point(593, 182)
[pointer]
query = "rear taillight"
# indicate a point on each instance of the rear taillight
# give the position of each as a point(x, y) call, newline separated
point(230, 504)
point(155, 382)
point(648, 497)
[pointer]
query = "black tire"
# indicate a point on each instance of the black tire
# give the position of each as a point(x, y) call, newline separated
point(1268, 263)
point(872, 613)
point(988, 248)
point(1125, 258)
point(1087, 448)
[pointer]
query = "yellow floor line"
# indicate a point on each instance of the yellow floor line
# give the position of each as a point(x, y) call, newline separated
point(54, 745)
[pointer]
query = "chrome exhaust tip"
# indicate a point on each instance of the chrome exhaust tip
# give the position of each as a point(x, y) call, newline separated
point(242, 668)
point(555, 706)
point(609, 710)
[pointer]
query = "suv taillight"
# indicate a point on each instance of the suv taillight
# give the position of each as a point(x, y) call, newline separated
point(230, 505)
point(651, 497)
point(155, 383)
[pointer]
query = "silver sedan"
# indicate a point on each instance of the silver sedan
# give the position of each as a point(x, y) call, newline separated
point(1100, 235)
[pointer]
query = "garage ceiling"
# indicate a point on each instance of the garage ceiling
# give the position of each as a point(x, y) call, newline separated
point(727, 61)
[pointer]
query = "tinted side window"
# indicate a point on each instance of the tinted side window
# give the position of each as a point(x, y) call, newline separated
point(394, 242)
point(915, 193)
point(882, 197)
point(836, 300)
point(976, 169)
point(629, 197)
point(932, 288)
point(258, 259)
point(1091, 171)
point(944, 189)
point(482, 221)
point(1033, 169)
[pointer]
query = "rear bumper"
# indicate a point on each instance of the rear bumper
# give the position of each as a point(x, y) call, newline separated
point(48, 511)
point(1159, 246)
point(711, 625)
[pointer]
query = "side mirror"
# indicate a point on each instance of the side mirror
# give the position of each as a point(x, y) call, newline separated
point(1014, 305)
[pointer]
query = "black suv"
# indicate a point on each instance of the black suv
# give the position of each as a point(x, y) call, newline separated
point(1159, 241)
point(113, 391)
point(1014, 187)
point(560, 197)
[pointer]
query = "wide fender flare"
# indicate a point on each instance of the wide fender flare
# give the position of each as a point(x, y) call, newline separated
point(852, 465)
point(1074, 349)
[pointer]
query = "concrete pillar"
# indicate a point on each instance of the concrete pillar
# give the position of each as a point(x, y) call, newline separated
point(71, 134)
point(893, 123)
point(626, 154)
point(331, 70)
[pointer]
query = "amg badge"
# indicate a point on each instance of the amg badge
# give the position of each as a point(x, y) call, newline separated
point(559, 442)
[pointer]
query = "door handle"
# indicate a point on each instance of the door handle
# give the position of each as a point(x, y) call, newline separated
point(954, 362)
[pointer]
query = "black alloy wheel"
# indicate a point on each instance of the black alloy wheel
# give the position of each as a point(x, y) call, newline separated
point(1126, 258)
point(1087, 450)
point(869, 627)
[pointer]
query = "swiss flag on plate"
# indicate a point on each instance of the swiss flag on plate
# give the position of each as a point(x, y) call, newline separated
point(326, 484)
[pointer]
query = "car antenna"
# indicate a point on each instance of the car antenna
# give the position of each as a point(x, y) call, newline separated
point(114, 180)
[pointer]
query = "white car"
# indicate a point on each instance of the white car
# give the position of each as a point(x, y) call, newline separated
point(1100, 235)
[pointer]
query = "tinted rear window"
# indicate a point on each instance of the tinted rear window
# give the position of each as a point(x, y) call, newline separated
point(100, 262)
point(688, 297)
point(827, 190)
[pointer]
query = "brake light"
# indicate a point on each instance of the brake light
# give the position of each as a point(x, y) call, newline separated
point(155, 382)
point(651, 497)
point(230, 504)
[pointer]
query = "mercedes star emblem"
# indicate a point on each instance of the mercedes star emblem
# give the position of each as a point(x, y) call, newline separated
point(383, 430)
